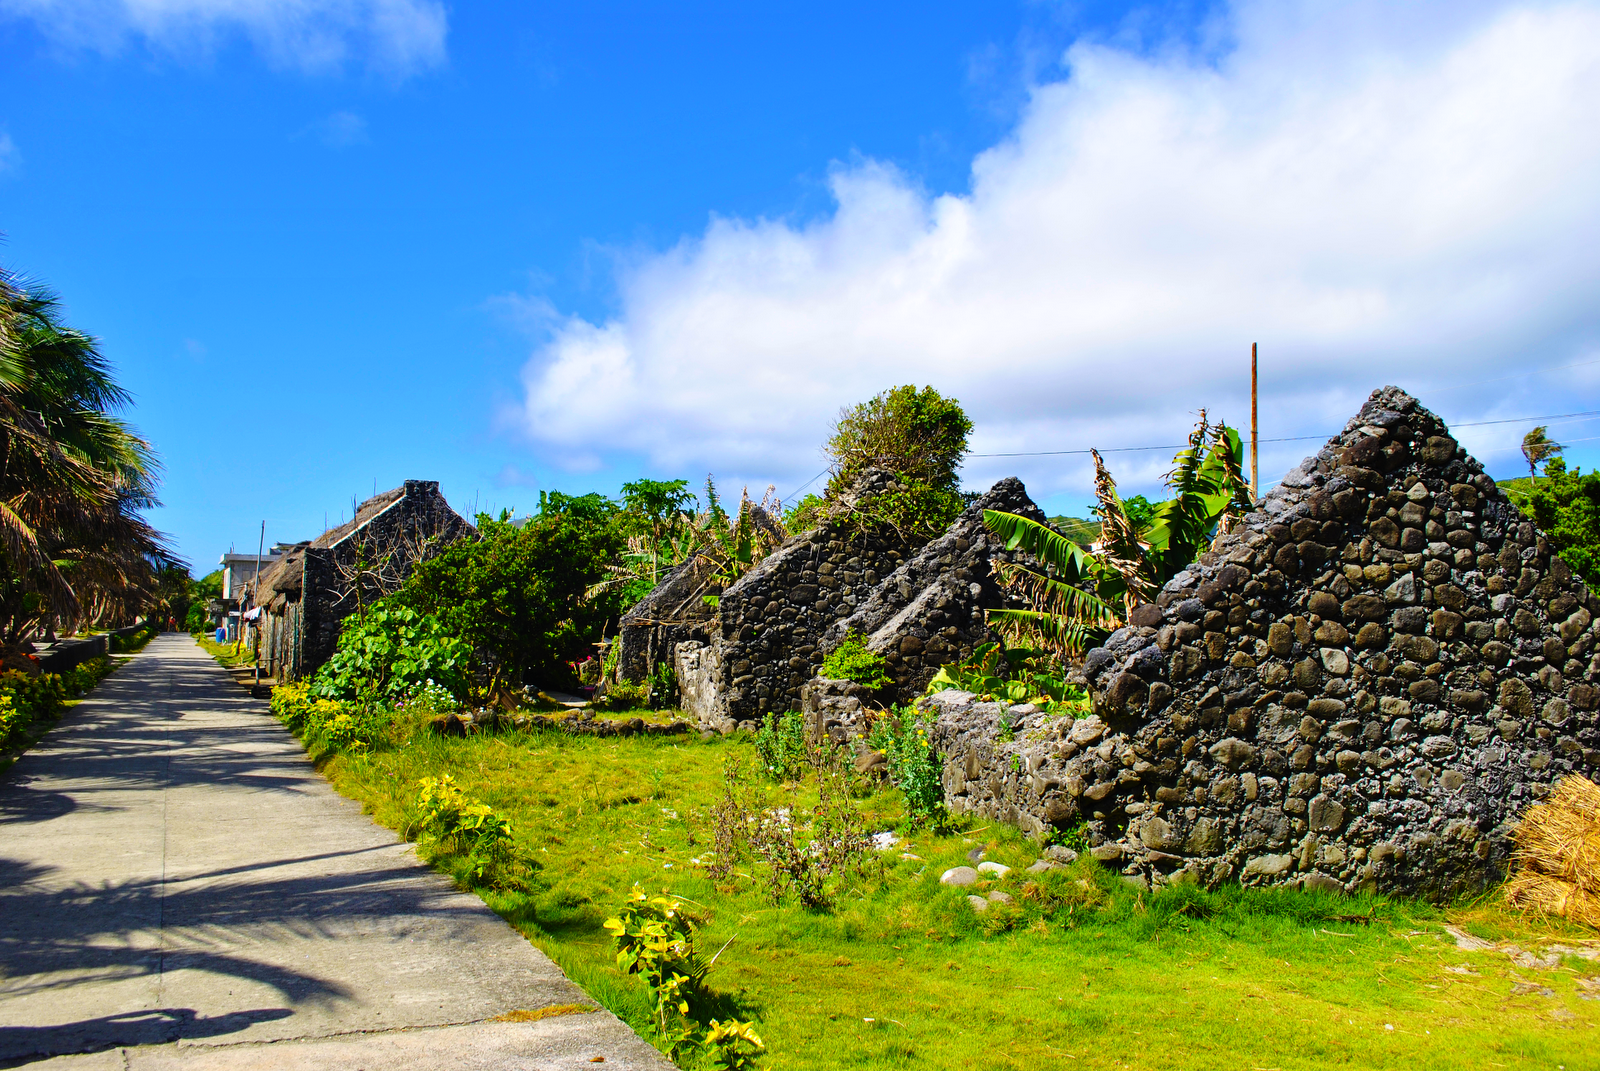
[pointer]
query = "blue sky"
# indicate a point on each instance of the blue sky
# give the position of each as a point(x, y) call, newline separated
point(334, 244)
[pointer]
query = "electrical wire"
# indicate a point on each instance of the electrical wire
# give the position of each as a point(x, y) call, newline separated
point(1291, 438)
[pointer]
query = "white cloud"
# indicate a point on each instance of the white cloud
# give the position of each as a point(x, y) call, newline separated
point(397, 37)
point(1374, 197)
point(9, 156)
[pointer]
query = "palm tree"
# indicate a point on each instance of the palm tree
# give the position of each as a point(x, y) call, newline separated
point(1537, 448)
point(74, 478)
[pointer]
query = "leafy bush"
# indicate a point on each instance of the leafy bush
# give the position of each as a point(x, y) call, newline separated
point(26, 700)
point(329, 723)
point(521, 596)
point(1567, 507)
point(197, 619)
point(781, 742)
point(1017, 675)
point(920, 436)
point(853, 661)
point(390, 652)
point(451, 822)
point(914, 766)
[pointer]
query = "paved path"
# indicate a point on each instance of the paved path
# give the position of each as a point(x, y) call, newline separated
point(179, 888)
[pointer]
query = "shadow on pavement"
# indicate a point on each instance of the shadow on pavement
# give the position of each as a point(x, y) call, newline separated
point(24, 1044)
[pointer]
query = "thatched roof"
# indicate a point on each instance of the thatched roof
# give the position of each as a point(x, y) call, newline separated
point(283, 578)
point(364, 514)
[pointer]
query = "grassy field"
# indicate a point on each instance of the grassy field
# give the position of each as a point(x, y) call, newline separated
point(1084, 972)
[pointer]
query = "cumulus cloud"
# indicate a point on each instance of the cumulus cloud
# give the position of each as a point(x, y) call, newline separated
point(397, 37)
point(1374, 194)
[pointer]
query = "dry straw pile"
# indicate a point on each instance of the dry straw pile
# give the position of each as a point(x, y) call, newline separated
point(1558, 854)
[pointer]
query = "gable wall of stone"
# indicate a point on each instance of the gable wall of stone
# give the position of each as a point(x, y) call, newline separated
point(1363, 685)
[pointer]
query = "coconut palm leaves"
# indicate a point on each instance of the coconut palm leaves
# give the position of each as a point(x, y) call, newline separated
point(73, 477)
point(1077, 595)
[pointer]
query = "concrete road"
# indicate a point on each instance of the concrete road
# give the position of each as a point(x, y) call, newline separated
point(179, 888)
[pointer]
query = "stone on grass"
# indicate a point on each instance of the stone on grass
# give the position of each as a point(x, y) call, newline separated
point(999, 870)
point(959, 875)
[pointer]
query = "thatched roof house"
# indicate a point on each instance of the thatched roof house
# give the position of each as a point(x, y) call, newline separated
point(315, 585)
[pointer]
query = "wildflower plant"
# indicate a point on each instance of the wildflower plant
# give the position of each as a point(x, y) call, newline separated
point(914, 765)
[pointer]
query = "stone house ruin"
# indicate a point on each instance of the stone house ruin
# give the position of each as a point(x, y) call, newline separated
point(1361, 686)
point(758, 649)
point(315, 585)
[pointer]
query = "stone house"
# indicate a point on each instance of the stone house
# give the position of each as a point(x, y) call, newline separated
point(308, 592)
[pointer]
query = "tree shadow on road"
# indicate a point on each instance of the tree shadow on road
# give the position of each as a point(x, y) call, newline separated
point(156, 1026)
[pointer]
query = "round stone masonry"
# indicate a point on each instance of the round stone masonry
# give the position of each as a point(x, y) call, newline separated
point(1363, 684)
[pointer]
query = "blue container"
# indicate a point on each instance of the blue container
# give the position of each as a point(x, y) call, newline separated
point(222, 635)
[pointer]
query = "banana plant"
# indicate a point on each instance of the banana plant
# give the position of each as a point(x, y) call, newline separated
point(1080, 595)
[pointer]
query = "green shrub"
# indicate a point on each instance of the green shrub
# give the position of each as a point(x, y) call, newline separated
point(451, 822)
point(852, 661)
point(1566, 505)
point(653, 937)
point(389, 653)
point(920, 436)
point(1017, 675)
point(26, 699)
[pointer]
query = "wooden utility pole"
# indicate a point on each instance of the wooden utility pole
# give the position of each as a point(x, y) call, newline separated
point(1255, 436)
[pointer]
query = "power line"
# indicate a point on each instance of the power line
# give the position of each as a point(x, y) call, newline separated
point(803, 486)
point(1286, 439)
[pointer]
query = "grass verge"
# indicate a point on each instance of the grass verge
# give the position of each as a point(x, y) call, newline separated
point(225, 653)
point(1083, 971)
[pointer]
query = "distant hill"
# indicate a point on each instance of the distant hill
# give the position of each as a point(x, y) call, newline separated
point(1078, 529)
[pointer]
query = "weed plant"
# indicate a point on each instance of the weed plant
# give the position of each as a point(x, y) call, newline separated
point(781, 743)
point(914, 766)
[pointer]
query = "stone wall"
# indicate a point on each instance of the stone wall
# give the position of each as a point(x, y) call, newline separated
point(931, 611)
point(674, 612)
point(765, 642)
point(918, 607)
point(1362, 685)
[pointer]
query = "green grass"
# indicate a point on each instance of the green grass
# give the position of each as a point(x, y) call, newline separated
point(903, 974)
point(224, 652)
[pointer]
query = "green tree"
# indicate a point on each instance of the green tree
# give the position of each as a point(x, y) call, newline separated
point(1567, 508)
point(1538, 448)
point(921, 437)
point(73, 540)
point(662, 505)
point(526, 595)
